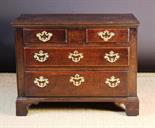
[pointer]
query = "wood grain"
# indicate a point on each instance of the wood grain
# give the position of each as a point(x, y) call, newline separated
point(91, 56)
point(76, 32)
point(60, 85)
point(121, 35)
point(59, 35)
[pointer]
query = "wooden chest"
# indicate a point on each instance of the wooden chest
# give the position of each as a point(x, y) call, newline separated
point(76, 58)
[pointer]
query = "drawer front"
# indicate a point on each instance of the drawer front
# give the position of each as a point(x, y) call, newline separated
point(43, 36)
point(76, 83)
point(107, 35)
point(42, 57)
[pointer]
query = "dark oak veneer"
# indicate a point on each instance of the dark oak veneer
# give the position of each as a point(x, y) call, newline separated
point(92, 56)
point(76, 58)
point(121, 35)
point(59, 84)
point(59, 35)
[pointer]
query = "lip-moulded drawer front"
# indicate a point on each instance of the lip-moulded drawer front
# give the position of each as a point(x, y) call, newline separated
point(44, 36)
point(76, 83)
point(107, 35)
point(48, 57)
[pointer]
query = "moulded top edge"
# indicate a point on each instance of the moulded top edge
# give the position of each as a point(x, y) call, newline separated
point(75, 20)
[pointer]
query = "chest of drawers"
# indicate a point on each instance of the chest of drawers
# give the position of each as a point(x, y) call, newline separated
point(76, 58)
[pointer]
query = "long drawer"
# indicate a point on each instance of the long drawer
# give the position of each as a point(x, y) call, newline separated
point(85, 56)
point(76, 83)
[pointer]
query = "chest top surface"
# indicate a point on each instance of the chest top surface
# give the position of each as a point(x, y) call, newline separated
point(26, 20)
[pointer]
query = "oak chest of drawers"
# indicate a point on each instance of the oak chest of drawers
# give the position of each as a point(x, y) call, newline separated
point(76, 58)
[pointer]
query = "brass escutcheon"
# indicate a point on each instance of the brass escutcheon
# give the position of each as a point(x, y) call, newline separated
point(41, 56)
point(41, 82)
point(77, 80)
point(44, 36)
point(112, 81)
point(106, 35)
point(111, 56)
point(75, 56)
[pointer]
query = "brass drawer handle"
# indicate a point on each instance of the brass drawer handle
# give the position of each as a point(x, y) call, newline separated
point(112, 81)
point(41, 82)
point(41, 56)
point(77, 80)
point(111, 56)
point(44, 36)
point(106, 35)
point(75, 56)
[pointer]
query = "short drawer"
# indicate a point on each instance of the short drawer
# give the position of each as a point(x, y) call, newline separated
point(46, 57)
point(76, 83)
point(107, 35)
point(43, 36)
